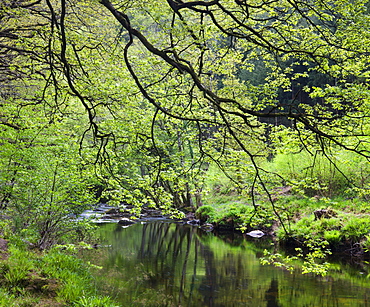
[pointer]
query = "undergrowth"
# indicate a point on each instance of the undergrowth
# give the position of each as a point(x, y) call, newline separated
point(51, 278)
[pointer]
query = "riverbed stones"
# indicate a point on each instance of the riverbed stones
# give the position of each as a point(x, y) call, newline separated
point(194, 222)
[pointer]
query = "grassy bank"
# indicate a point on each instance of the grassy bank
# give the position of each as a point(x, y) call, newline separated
point(343, 223)
point(317, 196)
point(50, 278)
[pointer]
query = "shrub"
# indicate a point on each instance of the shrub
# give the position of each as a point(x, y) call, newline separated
point(333, 236)
point(205, 213)
point(356, 227)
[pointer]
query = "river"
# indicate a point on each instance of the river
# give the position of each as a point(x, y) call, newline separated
point(168, 264)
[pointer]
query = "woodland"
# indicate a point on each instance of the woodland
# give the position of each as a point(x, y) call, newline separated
point(250, 114)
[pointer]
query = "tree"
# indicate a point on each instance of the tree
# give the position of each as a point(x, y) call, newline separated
point(181, 63)
point(199, 47)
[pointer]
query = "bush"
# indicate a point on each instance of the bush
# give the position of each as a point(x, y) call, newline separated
point(334, 237)
point(205, 213)
point(236, 215)
point(356, 228)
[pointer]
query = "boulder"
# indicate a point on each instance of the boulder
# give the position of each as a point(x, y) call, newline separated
point(194, 222)
point(324, 214)
point(125, 222)
point(255, 233)
point(207, 227)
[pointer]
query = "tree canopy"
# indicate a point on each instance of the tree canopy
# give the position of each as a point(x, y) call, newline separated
point(151, 94)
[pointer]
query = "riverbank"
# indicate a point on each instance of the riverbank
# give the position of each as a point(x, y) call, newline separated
point(305, 227)
point(174, 264)
point(293, 220)
point(53, 278)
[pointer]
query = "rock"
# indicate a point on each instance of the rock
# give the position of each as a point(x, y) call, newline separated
point(190, 216)
point(112, 211)
point(125, 222)
point(193, 222)
point(324, 213)
point(207, 227)
point(255, 233)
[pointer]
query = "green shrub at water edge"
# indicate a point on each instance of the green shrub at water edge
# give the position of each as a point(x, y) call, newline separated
point(236, 215)
point(333, 236)
point(344, 228)
point(356, 228)
point(205, 213)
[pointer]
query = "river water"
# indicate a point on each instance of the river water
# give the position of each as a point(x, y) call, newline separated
point(168, 264)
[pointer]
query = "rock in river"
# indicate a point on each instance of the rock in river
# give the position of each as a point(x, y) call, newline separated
point(256, 233)
point(125, 222)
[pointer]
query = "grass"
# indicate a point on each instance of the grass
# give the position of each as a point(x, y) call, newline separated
point(52, 278)
point(345, 226)
point(315, 184)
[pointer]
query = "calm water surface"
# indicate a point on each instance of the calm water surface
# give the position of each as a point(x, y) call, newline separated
point(166, 264)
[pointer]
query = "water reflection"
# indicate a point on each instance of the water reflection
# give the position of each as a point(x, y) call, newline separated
point(166, 264)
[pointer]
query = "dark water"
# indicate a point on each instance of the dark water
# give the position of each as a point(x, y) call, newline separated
point(166, 264)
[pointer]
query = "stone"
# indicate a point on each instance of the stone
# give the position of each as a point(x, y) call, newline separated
point(256, 233)
point(207, 227)
point(194, 222)
point(324, 214)
point(125, 222)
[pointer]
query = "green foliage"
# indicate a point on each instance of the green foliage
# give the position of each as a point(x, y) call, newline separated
point(334, 237)
point(205, 213)
point(6, 298)
point(16, 269)
point(74, 281)
point(366, 243)
point(236, 215)
point(6, 228)
point(356, 228)
point(96, 301)
point(343, 225)
point(314, 174)
point(278, 260)
point(318, 250)
point(311, 261)
point(73, 287)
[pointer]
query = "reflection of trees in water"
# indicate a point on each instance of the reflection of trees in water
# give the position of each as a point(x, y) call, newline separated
point(209, 287)
point(181, 260)
point(272, 294)
point(168, 248)
point(162, 264)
